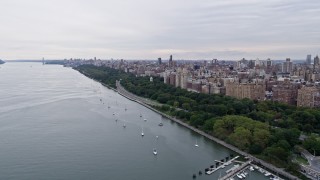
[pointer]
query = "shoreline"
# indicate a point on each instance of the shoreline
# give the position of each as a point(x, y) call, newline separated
point(260, 162)
point(123, 92)
point(106, 85)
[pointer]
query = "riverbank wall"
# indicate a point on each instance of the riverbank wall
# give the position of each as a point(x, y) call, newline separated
point(255, 160)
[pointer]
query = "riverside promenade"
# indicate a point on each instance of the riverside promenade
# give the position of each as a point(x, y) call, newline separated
point(148, 103)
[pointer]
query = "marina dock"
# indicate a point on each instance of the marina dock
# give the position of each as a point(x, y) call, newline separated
point(231, 174)
point(223, 164)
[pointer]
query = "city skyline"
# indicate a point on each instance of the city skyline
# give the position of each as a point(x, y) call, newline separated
point(150, 29)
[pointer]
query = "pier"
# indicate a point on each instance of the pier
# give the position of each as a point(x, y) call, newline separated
point(212, 170)
point(231, 174)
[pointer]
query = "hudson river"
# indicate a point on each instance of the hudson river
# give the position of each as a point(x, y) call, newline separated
point(55, 124)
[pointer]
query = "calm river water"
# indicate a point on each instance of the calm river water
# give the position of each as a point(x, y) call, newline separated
point(53, 125)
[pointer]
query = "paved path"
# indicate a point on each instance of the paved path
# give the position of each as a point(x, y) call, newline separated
point(314, 161)
point(147, 104)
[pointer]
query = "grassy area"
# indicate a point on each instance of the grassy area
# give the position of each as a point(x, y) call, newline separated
point(302, 160)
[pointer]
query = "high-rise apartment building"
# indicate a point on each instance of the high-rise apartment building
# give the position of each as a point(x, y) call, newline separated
point(285, 92)
point(170, 61)
point(287, 66)
point(308, 96)
point(254, 91)
point(308, 59)
point(316, 60)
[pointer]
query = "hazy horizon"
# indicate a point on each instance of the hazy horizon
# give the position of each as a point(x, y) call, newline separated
point(146, 29)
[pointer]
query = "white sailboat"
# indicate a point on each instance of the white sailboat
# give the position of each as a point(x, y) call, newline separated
point(196, 145)
point(155, 151)
point(142, 134)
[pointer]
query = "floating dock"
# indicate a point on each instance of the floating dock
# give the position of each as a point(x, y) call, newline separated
point(223, 164)
point(236, 170)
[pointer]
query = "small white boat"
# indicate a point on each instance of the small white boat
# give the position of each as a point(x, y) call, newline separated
point(160, 124)
point(155, 151)
point(243, 175)
point(124, 126)
point(239, 176)
point(142, 134)
point(261, 170)
point(145, 119)
point(267, 173)
point(196, 145)
point(251, 168)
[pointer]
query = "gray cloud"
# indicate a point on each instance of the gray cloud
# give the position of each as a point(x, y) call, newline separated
point(189, 29)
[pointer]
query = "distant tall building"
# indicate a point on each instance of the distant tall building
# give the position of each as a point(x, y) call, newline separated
point(308, 59)
point(170, 61)
point(316, 63)
point(269, 66)
point(287, 66)
point(269, 62)
point(159, 61)
point(251, 64)
point(316, 60)
point(243, 63)
point(214, 61)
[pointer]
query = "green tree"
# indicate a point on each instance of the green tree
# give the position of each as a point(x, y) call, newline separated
point(261, 137)
point(241, 138)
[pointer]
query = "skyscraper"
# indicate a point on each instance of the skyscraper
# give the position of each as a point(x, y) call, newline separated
point(287, 66)
point(170, 61)
point(309, 59)
point(159, 61)
point(316, 61)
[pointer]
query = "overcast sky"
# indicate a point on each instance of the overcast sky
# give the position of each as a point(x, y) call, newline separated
point(148, 29)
